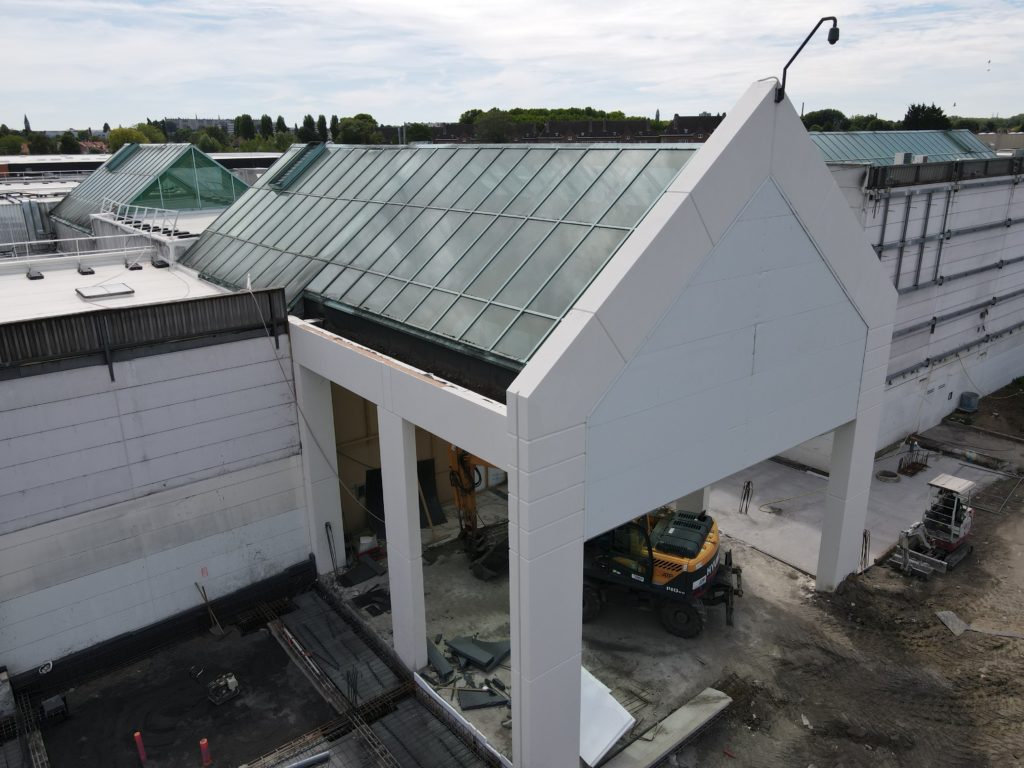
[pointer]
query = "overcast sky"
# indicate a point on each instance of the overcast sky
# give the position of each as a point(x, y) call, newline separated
point(79, 63)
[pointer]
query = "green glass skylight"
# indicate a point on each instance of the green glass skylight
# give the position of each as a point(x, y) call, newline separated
point(482, 247)
point(174, 176)
point(881, 147)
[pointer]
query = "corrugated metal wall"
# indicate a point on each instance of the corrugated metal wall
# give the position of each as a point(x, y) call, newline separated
point(111, 330)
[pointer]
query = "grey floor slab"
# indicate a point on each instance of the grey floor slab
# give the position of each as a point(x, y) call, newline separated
point(357, 671)
point(672, 731)
point(792, 532)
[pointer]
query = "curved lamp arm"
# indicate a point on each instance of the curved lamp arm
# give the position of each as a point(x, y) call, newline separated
point(833, 37)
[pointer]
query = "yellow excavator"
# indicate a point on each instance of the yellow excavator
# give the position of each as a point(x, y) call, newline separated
point(670, 558)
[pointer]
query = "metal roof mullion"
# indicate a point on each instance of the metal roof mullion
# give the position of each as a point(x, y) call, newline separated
point(625, 189)
point(486, 264)
point(411, 280)
point(374, 173)
point(483, 231)
point(544, 285)
point(518, 310)
point(411, 177)
point(557, 184)
point(397, 237)
point(394, 171)
point(344, 163)
point(475, 152)
point(498, 251)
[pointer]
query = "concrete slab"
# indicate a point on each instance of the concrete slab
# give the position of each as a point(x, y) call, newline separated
point(787, 507)
point(672, 731)
point(358, 672)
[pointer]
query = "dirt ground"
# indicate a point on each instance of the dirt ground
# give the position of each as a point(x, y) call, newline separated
point(880, 681)
point(1002, 411)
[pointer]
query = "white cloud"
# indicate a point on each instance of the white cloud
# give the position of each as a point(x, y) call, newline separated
point(83, 62)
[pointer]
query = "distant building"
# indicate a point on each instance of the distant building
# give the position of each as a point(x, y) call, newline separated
point(682, 128)
point(173, 124)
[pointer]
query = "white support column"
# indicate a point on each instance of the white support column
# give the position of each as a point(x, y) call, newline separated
point(846, 501)
point(546, 530)
point(319, 466)
point(402, 527)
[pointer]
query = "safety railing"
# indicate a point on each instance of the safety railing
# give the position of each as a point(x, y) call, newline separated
point(159, 221)
point(128, 245)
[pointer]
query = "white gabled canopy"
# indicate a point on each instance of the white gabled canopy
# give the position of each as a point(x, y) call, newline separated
point(735, 322)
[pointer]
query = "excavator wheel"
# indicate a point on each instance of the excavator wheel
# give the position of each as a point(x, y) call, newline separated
point(591, 602)
point(681, 619)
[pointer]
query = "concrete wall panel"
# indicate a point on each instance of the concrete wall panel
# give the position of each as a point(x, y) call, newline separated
point(74, 440)
point(73, 582)
point(772, 354)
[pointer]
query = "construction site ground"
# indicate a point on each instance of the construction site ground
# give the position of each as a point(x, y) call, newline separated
point(158, 696)
point(867, 676)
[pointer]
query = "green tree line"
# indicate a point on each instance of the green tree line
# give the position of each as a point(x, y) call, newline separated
point(918, 117)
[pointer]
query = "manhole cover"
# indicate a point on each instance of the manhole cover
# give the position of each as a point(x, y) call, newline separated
point(887, 476)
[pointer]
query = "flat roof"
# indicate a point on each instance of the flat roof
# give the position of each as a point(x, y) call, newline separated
point(55, 294)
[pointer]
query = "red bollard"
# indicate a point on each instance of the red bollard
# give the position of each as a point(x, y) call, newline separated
point(204, 750)
point(139, 746)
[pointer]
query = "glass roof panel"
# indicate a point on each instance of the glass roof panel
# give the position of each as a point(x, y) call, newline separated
point(406, 301)
point(602, 193)
point(645, 189)
point(575, 184)
point(516, 179)
point(572, 278)
point(434, 305)
point(450, 253)
point(457, 160)
point(489, 326)
point(459, 317)
point(523, 336)
point(480, 252)
point(543, 262)
point(482, 158)
point(540, 186)
point(504, 263)
point(483, 247)
point(491, 176)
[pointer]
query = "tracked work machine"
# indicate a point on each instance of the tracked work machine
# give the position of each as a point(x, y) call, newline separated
point(941, 540)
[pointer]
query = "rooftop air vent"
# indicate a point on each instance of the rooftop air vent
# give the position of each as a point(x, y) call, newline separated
point(903, 158)
point(920, 159)
point(34, 274)
point(84, 270)
point(132, 266)
point(105, 291)
point(159, 263)
point(121, 155)
point(297, 165)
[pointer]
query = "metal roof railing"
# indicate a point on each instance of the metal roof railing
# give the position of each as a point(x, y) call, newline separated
point(78, 246)
point(158, 221)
